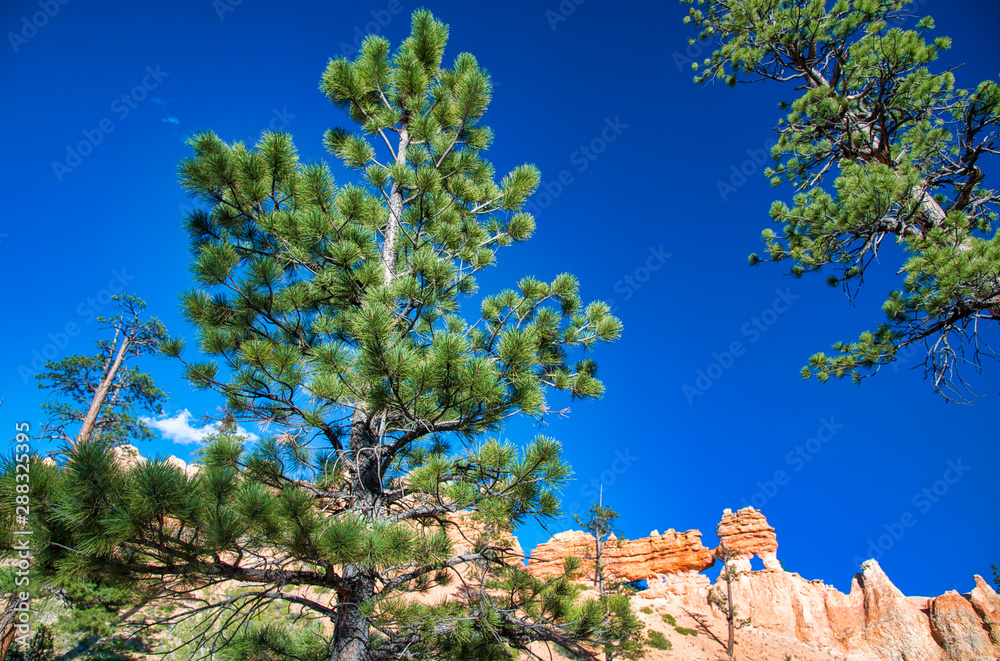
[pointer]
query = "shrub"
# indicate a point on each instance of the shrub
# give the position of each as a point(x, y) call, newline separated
point(669, 619)
point(685, 632)
point(658, 641)
point(647, 610)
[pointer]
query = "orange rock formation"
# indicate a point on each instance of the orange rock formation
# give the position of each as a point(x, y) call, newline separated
point(747, 534)
point(874, 622)
point(631, 560)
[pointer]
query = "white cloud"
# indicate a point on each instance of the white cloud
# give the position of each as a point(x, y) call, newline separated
point(179, 429)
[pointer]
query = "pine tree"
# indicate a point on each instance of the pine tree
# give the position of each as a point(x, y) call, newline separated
point(600, 524)
point(100, 392)
point(333, 315)
point(904, 147)
point(724, 602)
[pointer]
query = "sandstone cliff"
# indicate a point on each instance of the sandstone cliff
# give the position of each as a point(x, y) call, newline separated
point(874, 622)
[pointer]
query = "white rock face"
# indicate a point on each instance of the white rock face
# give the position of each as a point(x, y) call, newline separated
point(188, 469)
point(128, 456)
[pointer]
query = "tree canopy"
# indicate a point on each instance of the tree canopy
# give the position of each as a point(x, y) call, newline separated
point(905, 149)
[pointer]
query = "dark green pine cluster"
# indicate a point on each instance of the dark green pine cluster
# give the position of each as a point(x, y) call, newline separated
point(904, 149)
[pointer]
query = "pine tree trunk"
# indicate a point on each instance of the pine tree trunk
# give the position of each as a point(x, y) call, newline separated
point(7, 630)
point(351, 630)
point(730, 612)
point(90, 421)
point(395, 218)
point(599, 567)
point(350, 633)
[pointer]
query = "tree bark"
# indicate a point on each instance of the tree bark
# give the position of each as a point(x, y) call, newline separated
point(7, 626)
point(730, 611)
point(90, 421)
point(351, 630)
point(598, 566)
point(395, 219)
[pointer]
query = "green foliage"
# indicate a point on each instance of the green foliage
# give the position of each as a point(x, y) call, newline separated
point(903, 147)
point(658, 641)
point(647, 610)
point(78, 618)
point(669, 619)
point(685, 632)
point(329, 313)
point(270, 641)
point(600, 524)
point(94, 608)
point(39, 648)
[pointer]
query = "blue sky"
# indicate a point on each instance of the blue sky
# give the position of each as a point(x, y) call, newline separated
point(644, 199)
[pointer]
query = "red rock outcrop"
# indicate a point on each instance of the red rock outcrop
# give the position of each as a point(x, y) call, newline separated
point(987, 605)
point(670, 562)
point(874, 622)
point(959, 629)
point(746, 533)
point(692, 584)
point(631, 560)
point(805, 610)
point(893, 626)
point(127, 457)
